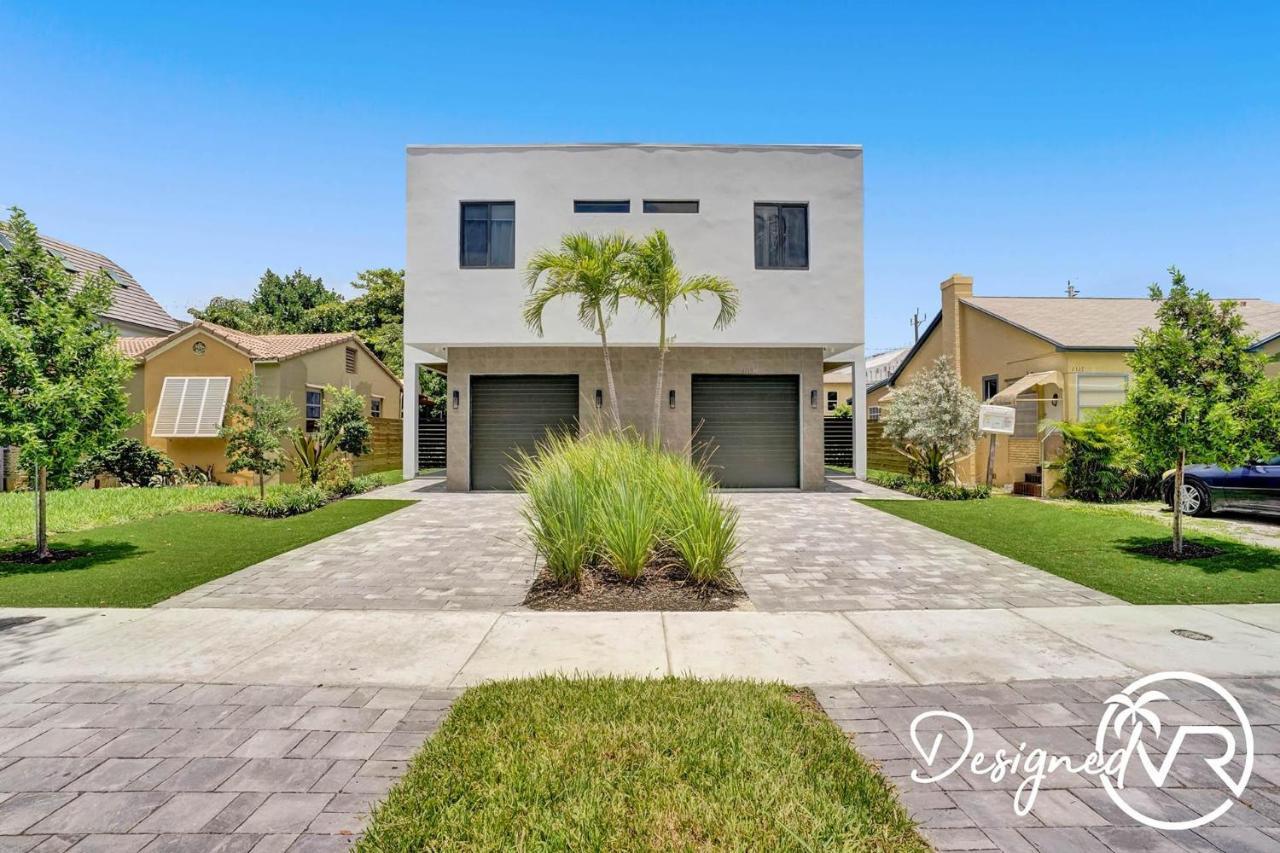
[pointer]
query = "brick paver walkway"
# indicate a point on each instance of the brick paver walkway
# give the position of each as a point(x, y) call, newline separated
point(1072, 812)
point(201, 767)
point(805, 551)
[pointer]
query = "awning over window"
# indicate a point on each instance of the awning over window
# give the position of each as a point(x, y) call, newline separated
point(1009, 395)
point(191, 407)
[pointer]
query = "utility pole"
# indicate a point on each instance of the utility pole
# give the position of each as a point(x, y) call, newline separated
point(915, 321)
point(1072, 292)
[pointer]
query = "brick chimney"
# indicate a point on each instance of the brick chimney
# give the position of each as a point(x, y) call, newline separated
point(954, 289)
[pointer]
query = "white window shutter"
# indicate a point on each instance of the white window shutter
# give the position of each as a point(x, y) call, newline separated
point(191, 406)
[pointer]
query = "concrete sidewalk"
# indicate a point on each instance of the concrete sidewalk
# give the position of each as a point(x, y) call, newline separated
point(455, 649)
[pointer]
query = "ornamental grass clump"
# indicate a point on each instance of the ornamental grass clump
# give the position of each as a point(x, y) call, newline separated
point(622, 503)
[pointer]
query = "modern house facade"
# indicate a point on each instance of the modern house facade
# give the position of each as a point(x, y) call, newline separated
point(784, 223)
point(1050, 358)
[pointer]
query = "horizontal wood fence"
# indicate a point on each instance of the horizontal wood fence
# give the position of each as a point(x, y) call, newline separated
point(880, 452)
point(432, 445)
point(837, 442)
point(386, 440)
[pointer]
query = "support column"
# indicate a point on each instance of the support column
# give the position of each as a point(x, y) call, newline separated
point(859, 406)
point(409, 440)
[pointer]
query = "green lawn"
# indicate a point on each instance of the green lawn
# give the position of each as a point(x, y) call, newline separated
point(626, 764)
point(142, 562)
point(1094, 546)
point(84, 509)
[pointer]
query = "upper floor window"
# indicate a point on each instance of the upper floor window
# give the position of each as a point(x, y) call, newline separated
point(782, 236)
point(623, 206)
point(488, 234)
point(669, 206)
point(315, 403)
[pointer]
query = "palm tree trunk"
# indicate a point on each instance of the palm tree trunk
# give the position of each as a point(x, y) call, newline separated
point(42, 528)
point(1177, 503)
point(657, 392)
point(608, 371)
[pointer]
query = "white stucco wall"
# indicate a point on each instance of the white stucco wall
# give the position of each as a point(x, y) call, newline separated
point(820, 306)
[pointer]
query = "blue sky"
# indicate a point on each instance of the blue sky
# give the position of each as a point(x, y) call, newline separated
point(197, 144)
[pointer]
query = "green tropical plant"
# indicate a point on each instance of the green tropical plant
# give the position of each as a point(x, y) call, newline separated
point(312, 455)
point(1098, 462)
point(933, 422)
point(588, 269)
point(653, 279)
point(62, 384)
point(132, 463)
point(257, 425)
point(344, 422)
point(1198, 392)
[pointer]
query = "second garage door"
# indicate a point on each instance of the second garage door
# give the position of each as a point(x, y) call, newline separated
point(515, 412)
point(747, 428)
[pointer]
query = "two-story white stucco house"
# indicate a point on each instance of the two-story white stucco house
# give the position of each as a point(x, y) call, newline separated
point(783, 222)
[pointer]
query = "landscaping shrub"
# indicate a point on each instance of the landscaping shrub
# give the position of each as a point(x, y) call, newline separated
point(280, 502)
point(131, 462)
point(621, 500)
point(931, 491)
point(1099, 463)
point(933, 422)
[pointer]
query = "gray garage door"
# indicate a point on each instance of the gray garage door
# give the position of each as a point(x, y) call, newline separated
point(747, 428)
point(509, 412)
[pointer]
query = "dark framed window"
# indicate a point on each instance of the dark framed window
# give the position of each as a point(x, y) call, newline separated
point(670, 206)
point(782, 236)
point(375, 407)
point(488, 238)
point(623, 206)
point(990, 386)
point(833, 400)
point(315, 407)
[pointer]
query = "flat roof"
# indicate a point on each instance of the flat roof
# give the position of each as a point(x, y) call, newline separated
point(678, 145)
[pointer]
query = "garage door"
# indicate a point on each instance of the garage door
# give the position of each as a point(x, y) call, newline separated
point(747, 428)
point(510, 412)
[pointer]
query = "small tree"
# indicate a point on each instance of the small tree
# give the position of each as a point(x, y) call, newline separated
point(1197, 391)
point(61, 376)
point(343, 421)
point(653, 279)
point(933, 421)
point(255, 434)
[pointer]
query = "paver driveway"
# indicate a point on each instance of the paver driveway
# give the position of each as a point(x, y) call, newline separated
point(446, 552)
point(806, 551)
point(801, 551)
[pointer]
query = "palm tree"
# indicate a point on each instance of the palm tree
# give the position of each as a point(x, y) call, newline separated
point(589, 268)
point(653, 279)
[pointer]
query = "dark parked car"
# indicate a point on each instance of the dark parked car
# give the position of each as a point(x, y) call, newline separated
point(1207, 488)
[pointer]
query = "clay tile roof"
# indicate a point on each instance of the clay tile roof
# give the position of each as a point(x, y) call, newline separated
point(136, 348)
point(1101, 323)
point(130, 303)
point(276, 346)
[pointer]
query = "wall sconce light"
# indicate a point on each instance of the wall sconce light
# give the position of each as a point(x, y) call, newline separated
point(1054, 401)
point(671, 399)
point(456, 397)
point(599, 399)
point(813, 398)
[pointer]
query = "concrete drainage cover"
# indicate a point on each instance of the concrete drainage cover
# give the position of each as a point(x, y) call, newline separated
point(1188, 634)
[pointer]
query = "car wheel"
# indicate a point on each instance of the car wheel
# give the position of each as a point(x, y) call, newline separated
point(1195, 500)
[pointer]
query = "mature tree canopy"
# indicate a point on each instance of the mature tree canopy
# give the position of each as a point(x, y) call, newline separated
point(301, 303)
point(933, 421)
point(61, 376)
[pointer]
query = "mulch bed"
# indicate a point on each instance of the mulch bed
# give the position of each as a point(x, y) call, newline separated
point(1190, 551)
point(663, 586)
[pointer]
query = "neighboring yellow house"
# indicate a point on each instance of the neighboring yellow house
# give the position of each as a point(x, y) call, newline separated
point(182, 383)
point(1052, 358)
point(837, 385)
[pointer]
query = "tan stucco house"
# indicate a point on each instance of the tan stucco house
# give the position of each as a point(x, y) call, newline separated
point(182, 383)
point(1052, 358)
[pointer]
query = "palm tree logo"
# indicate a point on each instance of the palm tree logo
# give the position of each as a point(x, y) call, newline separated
point(1128, 711)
